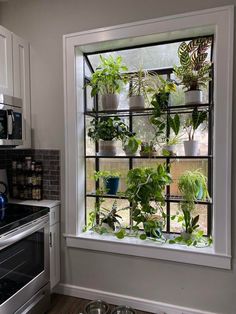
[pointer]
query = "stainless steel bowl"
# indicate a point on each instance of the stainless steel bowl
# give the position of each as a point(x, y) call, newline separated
point(123, 310)
point(97, 307)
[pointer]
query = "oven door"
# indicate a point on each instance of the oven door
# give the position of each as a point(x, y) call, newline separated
point(24, 264)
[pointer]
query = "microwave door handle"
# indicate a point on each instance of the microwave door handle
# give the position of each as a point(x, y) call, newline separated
point(10, 120)
point(21, 235)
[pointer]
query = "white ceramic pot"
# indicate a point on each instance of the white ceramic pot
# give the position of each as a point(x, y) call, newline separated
point(186, 236)
point(171, 149)
point(191, 148)
point(136, 102)
point(107, 148)
point(193, 97)
point(110, 101)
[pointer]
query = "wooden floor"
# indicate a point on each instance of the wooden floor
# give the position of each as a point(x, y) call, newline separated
point(62, 304)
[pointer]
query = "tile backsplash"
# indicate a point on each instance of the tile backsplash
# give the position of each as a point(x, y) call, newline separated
point(51, 167)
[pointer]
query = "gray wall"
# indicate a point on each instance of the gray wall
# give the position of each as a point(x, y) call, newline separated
point(42, 23)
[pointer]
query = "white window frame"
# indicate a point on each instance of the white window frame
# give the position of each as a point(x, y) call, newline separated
point(221, 21)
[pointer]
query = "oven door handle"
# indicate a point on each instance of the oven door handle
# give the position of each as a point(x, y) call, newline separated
point(21, 235)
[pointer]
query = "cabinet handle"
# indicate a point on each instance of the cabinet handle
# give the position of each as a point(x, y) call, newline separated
point(50, 239)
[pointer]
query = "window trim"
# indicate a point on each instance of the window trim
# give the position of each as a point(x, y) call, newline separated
point(221, 20)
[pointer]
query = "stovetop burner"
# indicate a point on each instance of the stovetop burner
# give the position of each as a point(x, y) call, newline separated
point(16, 215)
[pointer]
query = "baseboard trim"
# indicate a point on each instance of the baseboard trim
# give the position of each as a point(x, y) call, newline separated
point(119, 299)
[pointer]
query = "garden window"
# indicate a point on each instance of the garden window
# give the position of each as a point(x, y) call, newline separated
point(153, 60)
point(142, 49)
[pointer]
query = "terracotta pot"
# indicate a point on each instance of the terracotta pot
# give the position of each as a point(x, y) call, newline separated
point(193, 97)
point(110, 101)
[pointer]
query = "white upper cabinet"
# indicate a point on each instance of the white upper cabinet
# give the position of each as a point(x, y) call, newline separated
point(6, 71)
point(21, 83)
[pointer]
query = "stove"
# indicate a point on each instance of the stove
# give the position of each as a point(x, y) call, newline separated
point(24, 259)
point(16, 215)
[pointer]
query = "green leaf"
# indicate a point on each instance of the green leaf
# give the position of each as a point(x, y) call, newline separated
point(120, 234)
point(174, 123)
point(143, 236)
point(195, 221)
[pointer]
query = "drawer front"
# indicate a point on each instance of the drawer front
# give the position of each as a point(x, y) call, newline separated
point(54, 215)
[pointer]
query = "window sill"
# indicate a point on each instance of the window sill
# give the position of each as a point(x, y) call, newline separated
point(146, 248)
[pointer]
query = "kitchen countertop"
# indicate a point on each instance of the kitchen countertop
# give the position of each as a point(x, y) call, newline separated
point(44, 203)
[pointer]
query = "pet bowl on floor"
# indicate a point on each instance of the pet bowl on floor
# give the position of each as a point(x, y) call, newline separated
point(123, 310)
point(97, 307)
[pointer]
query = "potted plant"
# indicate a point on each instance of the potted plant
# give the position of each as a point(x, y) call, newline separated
point(107, 130)
point(145, 191)
point(137, 89)
point(103, 220)
point(131, 144)
point(110, 180)
point(148, 149)
point(169, 149)
point(109, 218)
point(160, 90)
point(107, 80)
point(193, 187)
point(191, 124)
point(194, 68)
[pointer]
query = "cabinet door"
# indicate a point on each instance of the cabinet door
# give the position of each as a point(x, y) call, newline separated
point(54, 254)
point(6, 80)
point(21, 84)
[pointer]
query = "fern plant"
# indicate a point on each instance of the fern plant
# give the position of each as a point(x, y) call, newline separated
point(194, 68)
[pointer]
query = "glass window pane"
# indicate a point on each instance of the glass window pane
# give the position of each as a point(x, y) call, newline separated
point(122, 210)
point(200, 210)
point(89, 99)
point(87, 70)
point(90, 145)
point(120, 165)
point(179, 166)
point(90, 168)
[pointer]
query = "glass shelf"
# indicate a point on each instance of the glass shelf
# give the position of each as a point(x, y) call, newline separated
point(147, 111)
point(152, 157)
point(170, 199)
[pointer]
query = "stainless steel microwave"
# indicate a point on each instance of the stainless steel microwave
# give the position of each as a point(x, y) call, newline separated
point(10, 121)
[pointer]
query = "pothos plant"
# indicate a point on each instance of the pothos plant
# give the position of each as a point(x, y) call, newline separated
point(160, 90)
point(108, 129)
point(108, 77)
point(145, 191)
